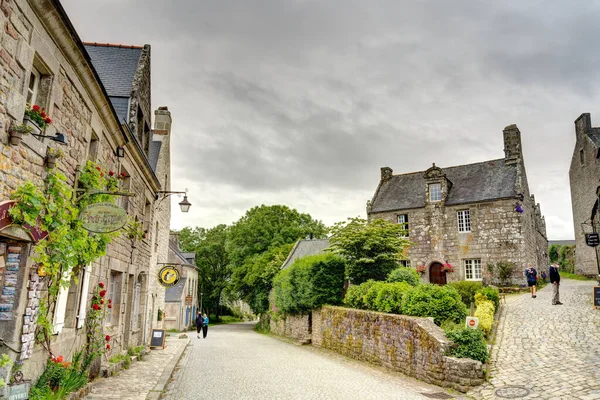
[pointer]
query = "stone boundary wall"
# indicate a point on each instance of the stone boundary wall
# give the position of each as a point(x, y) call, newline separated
point(297, 327)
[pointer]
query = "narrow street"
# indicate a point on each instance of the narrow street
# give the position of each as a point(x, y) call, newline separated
point(235, 362)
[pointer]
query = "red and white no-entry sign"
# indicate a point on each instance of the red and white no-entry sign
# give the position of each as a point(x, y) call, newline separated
point(472, 322)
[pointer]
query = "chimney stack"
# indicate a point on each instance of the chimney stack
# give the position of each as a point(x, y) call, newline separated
point(386, 173)
point(162, 122)
point(512, 145)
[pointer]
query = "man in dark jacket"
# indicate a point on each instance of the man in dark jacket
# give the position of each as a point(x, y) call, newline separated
point(555, 280)
point(199, 324)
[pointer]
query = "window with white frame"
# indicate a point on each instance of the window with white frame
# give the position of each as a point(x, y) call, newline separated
point(403, 220)
point(473, 270)
point(33, 87)
point(114, 294)
point(435, 192)
point(136, 305)
point(405, 263)
point(464, 221)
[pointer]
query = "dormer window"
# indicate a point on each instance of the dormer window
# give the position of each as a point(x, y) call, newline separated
point(435, 192)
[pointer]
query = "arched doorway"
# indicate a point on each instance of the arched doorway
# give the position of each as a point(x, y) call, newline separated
point(436, 275)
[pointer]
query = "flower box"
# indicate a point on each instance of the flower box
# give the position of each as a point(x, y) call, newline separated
point(31, 123)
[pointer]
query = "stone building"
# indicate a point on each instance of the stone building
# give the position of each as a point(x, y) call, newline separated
point(181, 300)
point(43, 61)
point(467, 215)
point(584, 177)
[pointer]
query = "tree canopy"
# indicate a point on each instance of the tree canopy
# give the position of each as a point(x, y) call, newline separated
point(372, 248)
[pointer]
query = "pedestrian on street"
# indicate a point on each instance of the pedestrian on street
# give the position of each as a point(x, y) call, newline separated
point(555, 280)
point(531, 275)
point(199, 324)
point(205, 326)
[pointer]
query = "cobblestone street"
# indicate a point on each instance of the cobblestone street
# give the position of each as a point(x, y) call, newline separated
point(234, 362)
point(551, 352)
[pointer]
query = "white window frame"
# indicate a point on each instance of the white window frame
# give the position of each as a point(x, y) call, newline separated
point(111, 296)
point(436, 191)
point(33, 92)
point(136, 305)
point(464, 220)
point(473, 270)
point(405, 263)
point(60, 308)
point(84, 296)
point(403, 220)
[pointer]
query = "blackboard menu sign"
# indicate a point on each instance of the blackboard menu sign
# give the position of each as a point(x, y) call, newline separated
point(596, 296)
point(158, 338)
point(592, 239)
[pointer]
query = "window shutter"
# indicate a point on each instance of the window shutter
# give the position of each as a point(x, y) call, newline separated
point(85, 285)
point(60, 309)
point(406, 218)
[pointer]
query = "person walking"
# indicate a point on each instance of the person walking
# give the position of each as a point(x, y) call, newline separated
point(205, 326)
point(531, 275)
point(555, 280)
point(199, 324)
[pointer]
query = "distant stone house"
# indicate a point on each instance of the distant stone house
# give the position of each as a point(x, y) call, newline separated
point(181, 300)
point(467, 215)
point(303, 248)
point(584, 176)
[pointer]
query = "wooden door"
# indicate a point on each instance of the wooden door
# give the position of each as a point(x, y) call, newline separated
point(436, 275)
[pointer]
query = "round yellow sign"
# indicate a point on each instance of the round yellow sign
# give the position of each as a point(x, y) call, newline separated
point(168, 276)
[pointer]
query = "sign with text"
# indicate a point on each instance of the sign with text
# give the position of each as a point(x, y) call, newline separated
point(169, 276)
point(18, 391)
point(158, 338)
point(103, 218)
point(472, 322)
point(35, 232)
point(596, 296)
point(188, 300)
point(592, 239)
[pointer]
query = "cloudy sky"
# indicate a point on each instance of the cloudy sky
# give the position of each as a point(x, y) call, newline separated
point(300, 102)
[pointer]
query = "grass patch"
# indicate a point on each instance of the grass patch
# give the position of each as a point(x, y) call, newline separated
point(116, 359)
point(224, 320)
point(173, 330)
point(569, 275)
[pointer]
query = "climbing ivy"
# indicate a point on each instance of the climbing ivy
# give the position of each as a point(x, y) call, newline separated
point(55, 209)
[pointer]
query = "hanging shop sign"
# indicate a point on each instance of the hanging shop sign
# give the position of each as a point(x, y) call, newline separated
point(592, 239)
point(169, 276)
point(103, 218)
point(35, 232)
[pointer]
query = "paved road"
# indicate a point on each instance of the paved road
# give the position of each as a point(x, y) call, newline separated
point(234, 362)
point(552, 351)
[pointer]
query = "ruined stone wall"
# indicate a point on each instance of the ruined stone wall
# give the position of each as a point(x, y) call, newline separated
point(297, 327)
point(411, 345)
point(31, 35)
point(584, 181)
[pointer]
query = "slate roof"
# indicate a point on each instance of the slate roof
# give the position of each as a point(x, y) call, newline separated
point(304, 248)
point(594, 136)
point(173, 293)
point(471, 183)
point(155, 147)
point(116, 66)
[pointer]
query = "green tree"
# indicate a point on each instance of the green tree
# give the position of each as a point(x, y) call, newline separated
point(553, 252)
point(258, 244)
point(214, 270)
point(566, 258)
point(372, 249)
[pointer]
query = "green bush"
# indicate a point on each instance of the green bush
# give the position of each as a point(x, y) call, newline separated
point(485, 312)
point(370, 297)
point(309, 283)
point(492, 295)
point(466, 290)
point(468, 343)
point(389, 298)
point(356, 293)
point(440, 302)
point(404, 274)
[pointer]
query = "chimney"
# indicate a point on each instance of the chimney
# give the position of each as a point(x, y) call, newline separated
point(162, 121)
point(512, 144)
point(583, 125)
point(174, 240)
point(386, 173)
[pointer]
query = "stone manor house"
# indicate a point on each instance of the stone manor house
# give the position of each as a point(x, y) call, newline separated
point(99, 98)
point(467, 215)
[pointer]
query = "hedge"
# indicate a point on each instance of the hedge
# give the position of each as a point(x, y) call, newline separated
point(492, 295)
point(485, 312)
point(468, 343)
point(440, 302)
point(404, 274)
point(355, 295)
point(467, 290)
point(309, 283)
point(377, 296)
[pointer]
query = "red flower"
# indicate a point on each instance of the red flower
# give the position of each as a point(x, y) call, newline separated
point(108, 347)
point(101, 285)
point(107, 338)
point(102, 293)
point(109, 305)
point(35, 108)
point(98, 168)
point(48, 120)
point(102, 301)
point(109, 301)
point(101, 174)
point(43, 114)
point(110, 173)
point(95, 307)
point(60, 359)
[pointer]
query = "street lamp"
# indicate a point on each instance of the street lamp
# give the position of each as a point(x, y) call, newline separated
point(184, 205)
point(58, 137)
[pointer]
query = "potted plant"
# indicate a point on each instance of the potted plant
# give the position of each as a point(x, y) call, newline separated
point(36, 118)
point(17, 132)
point(447, 268)
point(421, 269)
point(52, 155)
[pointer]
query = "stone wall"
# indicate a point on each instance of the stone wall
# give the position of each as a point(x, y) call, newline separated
point(410, 345)
point(297, 327)
point(583, 177)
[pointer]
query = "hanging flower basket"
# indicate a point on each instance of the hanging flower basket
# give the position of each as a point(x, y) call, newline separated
point(519, 208)
point(421, 269)
point(447, 268)
point(17, 132)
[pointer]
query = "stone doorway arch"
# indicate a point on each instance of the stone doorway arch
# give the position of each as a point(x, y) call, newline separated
point(436, 275)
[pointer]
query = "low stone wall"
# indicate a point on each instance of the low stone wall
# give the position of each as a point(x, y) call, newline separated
point(297, 327)
point(411, 345)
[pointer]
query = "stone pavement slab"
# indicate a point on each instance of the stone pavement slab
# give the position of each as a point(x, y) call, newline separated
point(547, 351)
point(144, 379)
